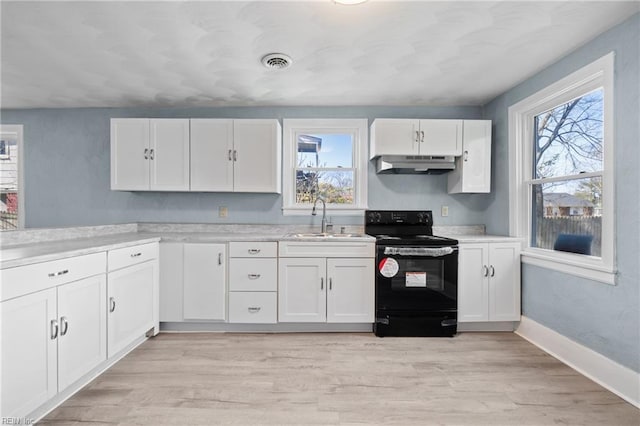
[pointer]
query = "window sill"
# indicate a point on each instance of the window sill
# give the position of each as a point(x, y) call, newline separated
point(331, 211)
point(590, 268)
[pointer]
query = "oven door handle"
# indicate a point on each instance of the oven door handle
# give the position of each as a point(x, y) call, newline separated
point(420, 251)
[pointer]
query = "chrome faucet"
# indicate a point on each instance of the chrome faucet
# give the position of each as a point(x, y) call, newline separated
point(324, 213)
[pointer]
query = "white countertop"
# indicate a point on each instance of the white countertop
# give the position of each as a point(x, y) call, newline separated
point(52, 250)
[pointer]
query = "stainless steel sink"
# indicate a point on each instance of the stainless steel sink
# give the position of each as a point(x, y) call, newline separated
point(324, 235)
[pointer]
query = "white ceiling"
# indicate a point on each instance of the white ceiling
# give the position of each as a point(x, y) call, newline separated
point(207, 53)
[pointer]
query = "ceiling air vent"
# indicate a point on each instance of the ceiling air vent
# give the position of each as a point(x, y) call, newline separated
point(276, 60)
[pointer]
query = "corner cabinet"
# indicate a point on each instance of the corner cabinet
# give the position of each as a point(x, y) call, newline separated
point(473, 169)
point(326, 282)
point(402, 137)
point(149, 154)
point(489, 281)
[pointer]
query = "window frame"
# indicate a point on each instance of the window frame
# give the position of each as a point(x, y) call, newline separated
point(521, 115)
point(18, 131)
point(359, 127)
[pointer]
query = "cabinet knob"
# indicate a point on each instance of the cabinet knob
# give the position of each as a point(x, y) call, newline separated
point(321, 283)
point(466, 156)
point(151, 154)
point(64, 326)
point(421, 135)
point(219, 258)
point(254, 276)
point(254, 309)
point(493, 271)
point(229, 156)
point(485, 271)
point(112, 304)
point(146, 153)
point(330, 283)
point(253, 251)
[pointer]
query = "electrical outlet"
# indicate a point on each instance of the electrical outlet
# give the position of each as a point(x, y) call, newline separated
point(444, 211)
point(223, 212)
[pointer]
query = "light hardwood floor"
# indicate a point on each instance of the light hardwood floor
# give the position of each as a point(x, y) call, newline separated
point(341, 378)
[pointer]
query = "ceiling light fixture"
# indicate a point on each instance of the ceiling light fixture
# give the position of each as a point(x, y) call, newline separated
point(276, 60)
point(349, 2)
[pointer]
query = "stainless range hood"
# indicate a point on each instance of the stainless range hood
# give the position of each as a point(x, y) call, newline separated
point(415, 164)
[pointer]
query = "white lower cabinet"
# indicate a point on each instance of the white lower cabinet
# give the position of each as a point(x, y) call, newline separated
point(334, 290)
point(489, 282)
point(132, 295)
point(49, 340)
point(253, 282)
point(204, 275)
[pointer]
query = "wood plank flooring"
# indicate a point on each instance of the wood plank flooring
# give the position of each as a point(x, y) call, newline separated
point(341, 378)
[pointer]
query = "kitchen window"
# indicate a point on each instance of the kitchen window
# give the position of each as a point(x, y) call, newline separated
point(11, 178)
point(325, 158)
point(561, 173)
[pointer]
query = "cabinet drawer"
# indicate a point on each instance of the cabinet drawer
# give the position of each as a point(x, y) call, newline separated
point(39, 276)
point(253, 249)
point(253, 274)
point(253, 307)
point(127, 256)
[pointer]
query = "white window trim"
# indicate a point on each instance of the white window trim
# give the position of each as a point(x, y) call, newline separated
point(17, 130)
point(360, 127)
point(599, 73)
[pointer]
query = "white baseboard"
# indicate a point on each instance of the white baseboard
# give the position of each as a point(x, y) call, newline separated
point(617, 378)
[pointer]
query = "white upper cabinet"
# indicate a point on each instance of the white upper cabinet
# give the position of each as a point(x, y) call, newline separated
point(402, 137)
point(149, 154)
point(473, 168)
point(257, 156)
point(212, 155)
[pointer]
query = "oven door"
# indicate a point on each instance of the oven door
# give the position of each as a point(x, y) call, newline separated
point(416, 278)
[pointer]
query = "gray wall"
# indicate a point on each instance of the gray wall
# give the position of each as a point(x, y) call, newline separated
point(67, 172)
point(602, 317)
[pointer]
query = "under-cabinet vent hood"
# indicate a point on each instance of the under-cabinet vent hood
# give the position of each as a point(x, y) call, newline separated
point(415, 164)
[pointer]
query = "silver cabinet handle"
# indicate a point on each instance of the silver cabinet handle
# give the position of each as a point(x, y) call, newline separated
point(253, 276)
point(485, 271)
point(112, 304)
point(57, 274)
point(493, 271)
point(136, 254)
point(64, 326)
point(229, 155)
point(254, 309)
point(235, 155)
point(466, 156)
point(146, 153)
point(421, 135)
point(151, 154)
point(417, 136)
point(54, 329)
point(330, 283)
point(219, 258)
point(321, 283)
point(253, 251)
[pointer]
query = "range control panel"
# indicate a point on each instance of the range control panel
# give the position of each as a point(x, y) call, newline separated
point(398, 217)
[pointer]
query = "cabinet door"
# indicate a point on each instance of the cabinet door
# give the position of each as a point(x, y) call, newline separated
point(169, 154)
point(473, 169)
point(473, 283)
point(28, 355)
point(440, 137)
point(82, 341)
point(257, 156)
point(302, 295)
point(391, 136)
point(130, 293)
point(504, 284)
point(212, 155)
point(171, 281)
point(351, 290)
point(204, 281)
point(130, 154)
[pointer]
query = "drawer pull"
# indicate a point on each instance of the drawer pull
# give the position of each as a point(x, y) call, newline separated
point(253, 251)
point(253, 276)
point(57, 274)
point(54, 329)
point(64, 326)
point(136, 254)
point(112, 304)
point(254, 309)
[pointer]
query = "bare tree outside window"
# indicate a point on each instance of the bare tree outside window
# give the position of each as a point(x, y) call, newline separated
point(567, 172)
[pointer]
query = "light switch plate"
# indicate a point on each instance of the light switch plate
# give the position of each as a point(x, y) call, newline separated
point(444, 211)
point(223, 212)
